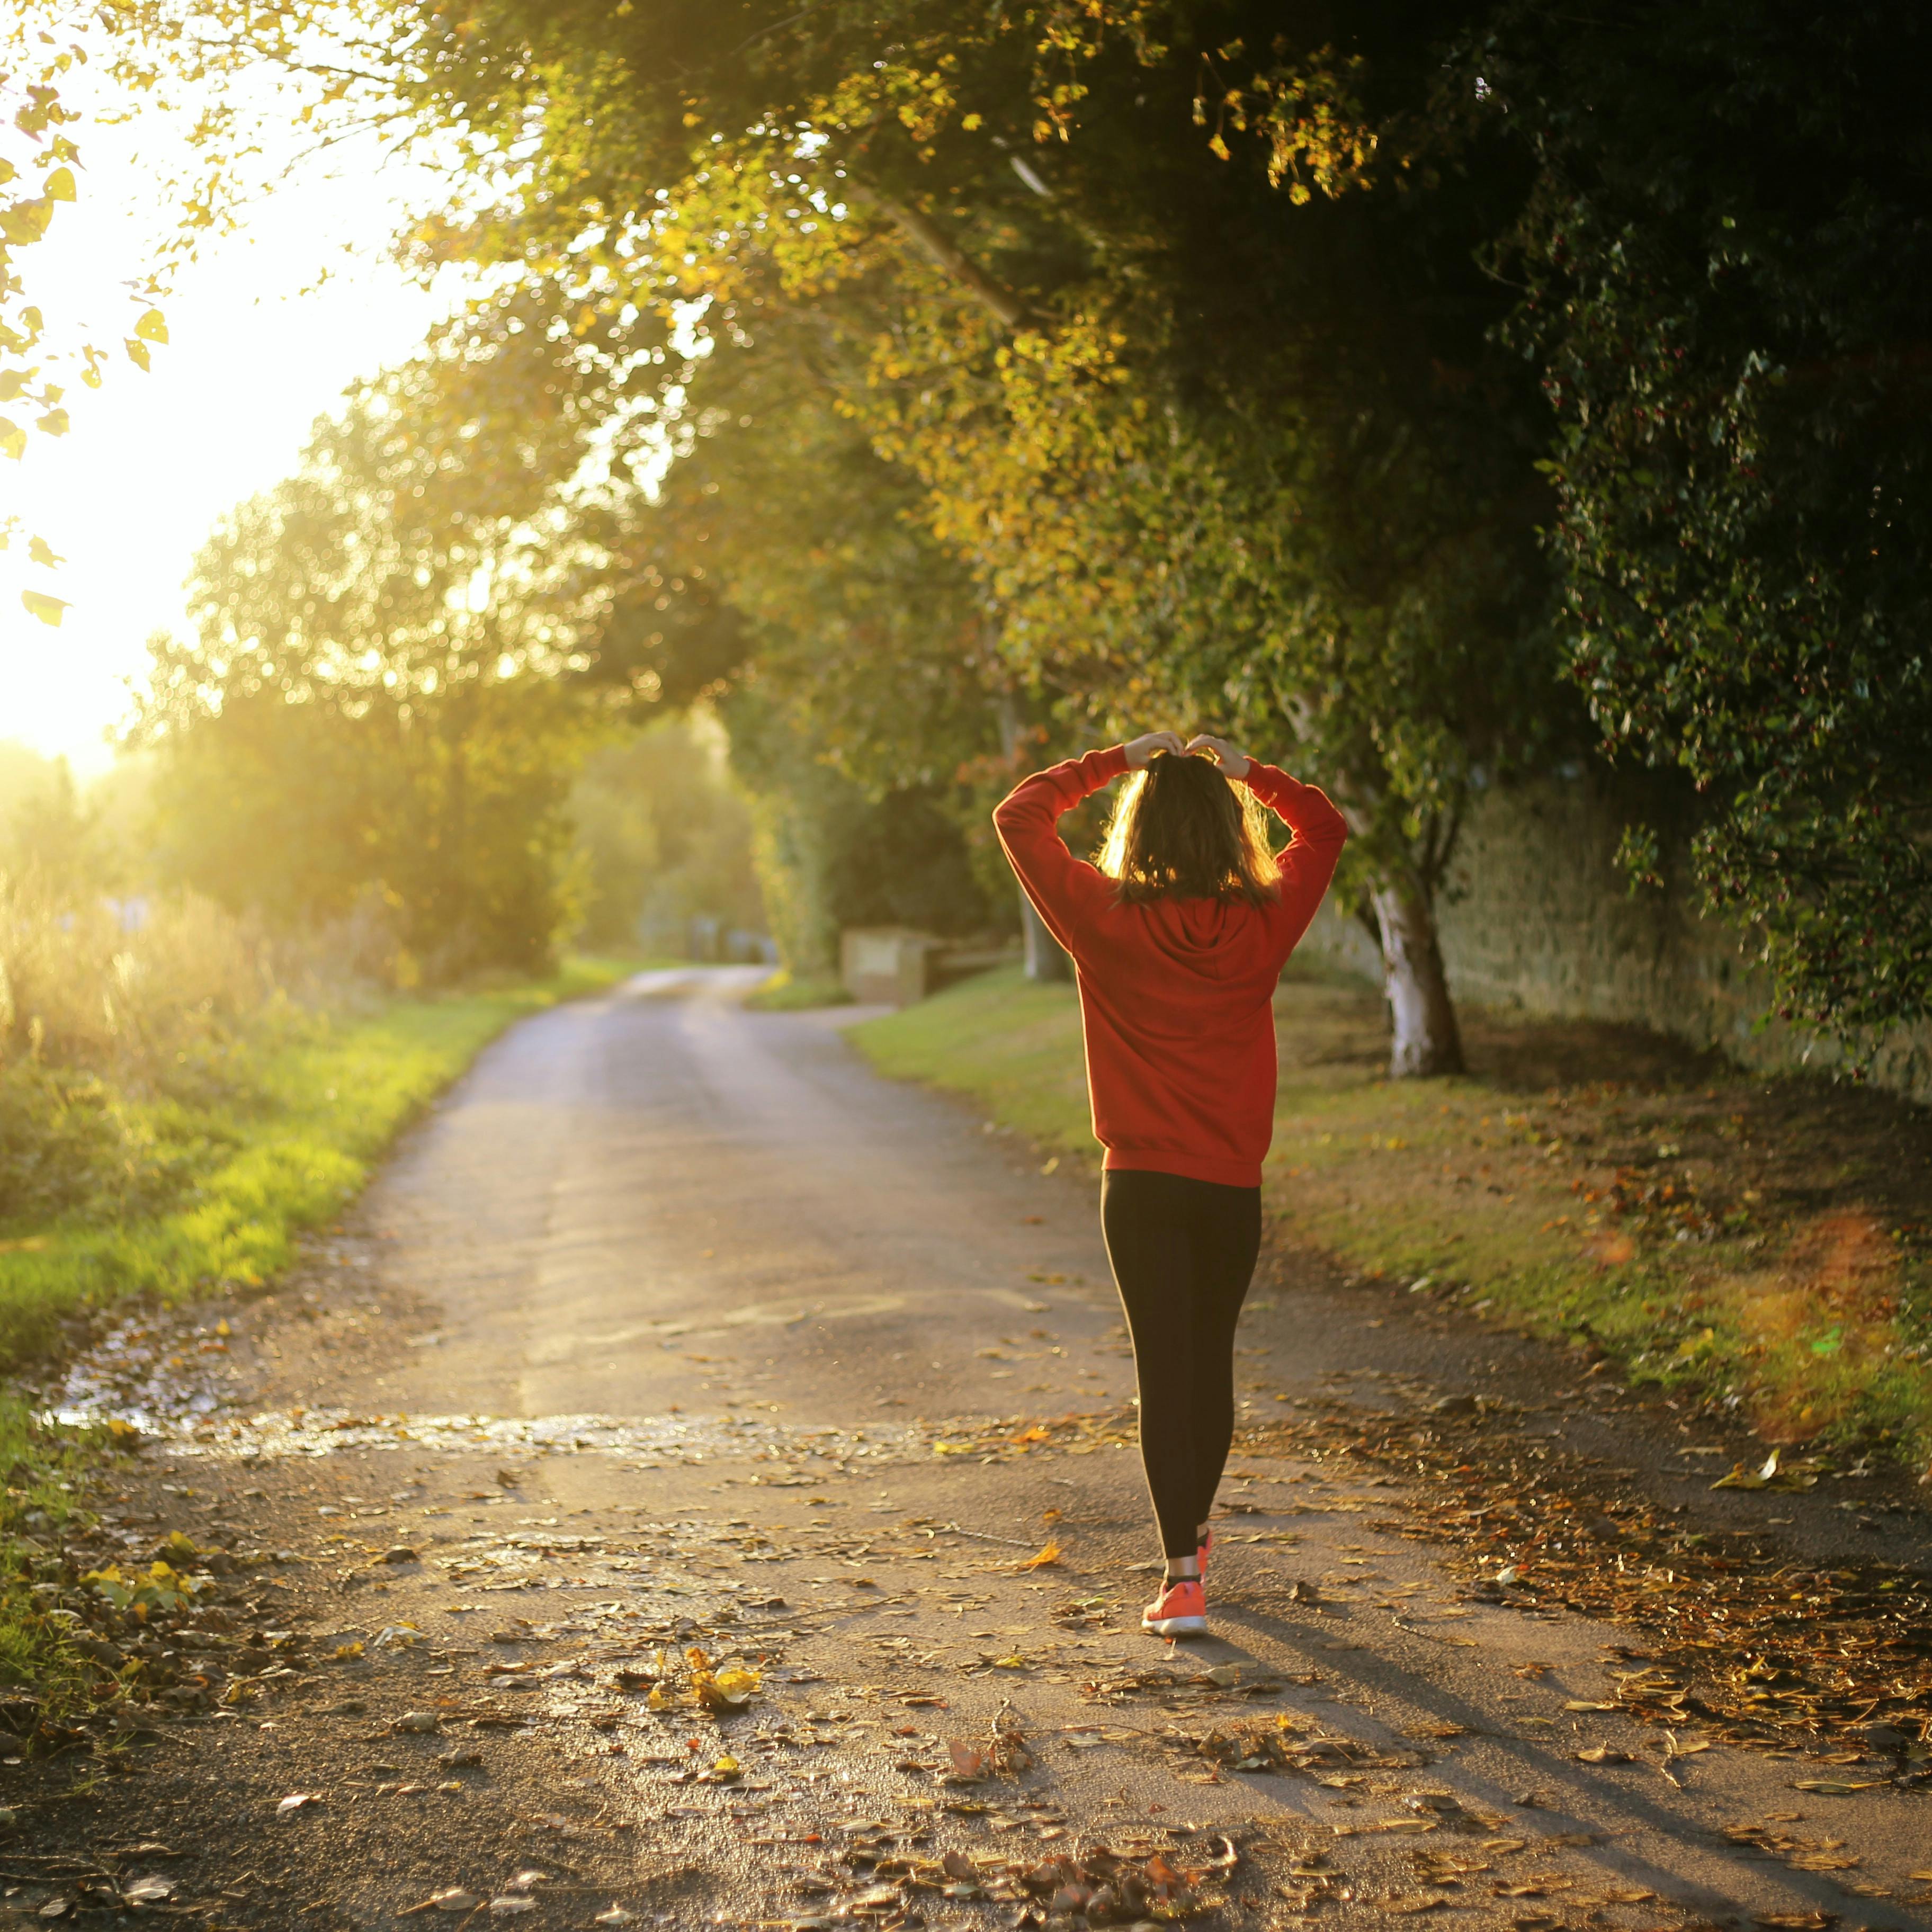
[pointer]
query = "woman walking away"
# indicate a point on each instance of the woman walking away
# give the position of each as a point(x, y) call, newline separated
point(1180, 934)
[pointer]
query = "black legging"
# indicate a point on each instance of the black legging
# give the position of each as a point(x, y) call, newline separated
point(1183, 1252)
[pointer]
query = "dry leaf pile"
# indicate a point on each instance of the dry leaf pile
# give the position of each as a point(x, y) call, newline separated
point(1779, 1653)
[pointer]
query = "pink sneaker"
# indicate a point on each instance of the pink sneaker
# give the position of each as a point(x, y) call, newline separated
point(1179, 1610)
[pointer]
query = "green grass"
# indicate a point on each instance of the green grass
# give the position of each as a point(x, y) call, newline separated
point(1766, 1244)
point(289, 1141)
point(279, 1145)
point(783, 993)
point(1013, 1046)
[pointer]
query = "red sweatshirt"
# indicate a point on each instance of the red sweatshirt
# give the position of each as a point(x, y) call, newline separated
point(1175, 994)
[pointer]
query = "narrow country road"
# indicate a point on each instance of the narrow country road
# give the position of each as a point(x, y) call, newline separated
point(692, 1489)
point(626, 1183)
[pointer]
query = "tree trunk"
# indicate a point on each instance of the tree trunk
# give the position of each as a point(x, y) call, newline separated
point(1046, 960)
point(1426, 1039)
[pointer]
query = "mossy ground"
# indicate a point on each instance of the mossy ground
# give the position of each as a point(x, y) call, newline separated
point(1764, 1241)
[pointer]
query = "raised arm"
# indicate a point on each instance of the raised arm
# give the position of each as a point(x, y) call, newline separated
point(1320, 831)
point(1063, 889)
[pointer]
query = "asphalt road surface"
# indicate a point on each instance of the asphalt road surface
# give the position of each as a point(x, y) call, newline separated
point(674, 1343)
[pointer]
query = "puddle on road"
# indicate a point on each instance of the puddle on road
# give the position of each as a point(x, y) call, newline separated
point(320, 1432)
point(163, 1377)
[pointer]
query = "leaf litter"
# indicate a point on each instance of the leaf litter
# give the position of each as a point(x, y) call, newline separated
point(654, 1655)
point(1776, 1654)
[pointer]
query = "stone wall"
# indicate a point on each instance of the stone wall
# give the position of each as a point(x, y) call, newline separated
point(1540, 918)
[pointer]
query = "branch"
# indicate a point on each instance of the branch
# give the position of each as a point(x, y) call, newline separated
point(1001, 302)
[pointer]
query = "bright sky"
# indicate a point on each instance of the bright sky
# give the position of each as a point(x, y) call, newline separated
point(153, 460)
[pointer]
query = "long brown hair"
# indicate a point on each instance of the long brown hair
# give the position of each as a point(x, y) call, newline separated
point(1181, 830)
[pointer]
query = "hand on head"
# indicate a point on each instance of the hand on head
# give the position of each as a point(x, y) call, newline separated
point(1233, 763)
point(1139, 750)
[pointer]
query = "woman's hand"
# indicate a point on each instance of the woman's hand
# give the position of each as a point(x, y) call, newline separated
point(1139, 750)
point(1233, 763)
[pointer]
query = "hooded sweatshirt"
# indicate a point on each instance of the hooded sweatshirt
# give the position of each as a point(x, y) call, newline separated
point(1176, 994)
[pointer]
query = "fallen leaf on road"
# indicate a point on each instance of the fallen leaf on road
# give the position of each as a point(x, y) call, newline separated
point(416, 1723)
point(509, 1902)
point(722, 1691)
point(150, 1891)
point(1796, 1921)
point(297, 1800)
point(616, 1915)
point(398, 1636)
point(970, 1763)
point(1767, 1476)
point(1042, 1558)
point(1829, 1787)
point(1601, 1754)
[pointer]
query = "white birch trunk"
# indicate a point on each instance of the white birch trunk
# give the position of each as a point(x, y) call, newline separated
point(1427, 1040)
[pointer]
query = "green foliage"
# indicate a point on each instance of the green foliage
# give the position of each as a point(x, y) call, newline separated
point(46, 1467)
point(660, 837)
point(1729, 267)
point(376, 716)
point(74, 1148)
point(47, 828)
point(830, 855)
point(1168, 403)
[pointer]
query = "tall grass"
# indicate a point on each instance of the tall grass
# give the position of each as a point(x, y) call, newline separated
point(129, 988)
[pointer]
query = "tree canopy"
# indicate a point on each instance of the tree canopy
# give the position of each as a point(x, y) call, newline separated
point(1727, 276)
point(1337, 380)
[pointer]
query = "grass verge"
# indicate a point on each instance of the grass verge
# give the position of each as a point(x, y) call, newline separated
point(1768, 1243)
point(286, 1141)
point(785, 993)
